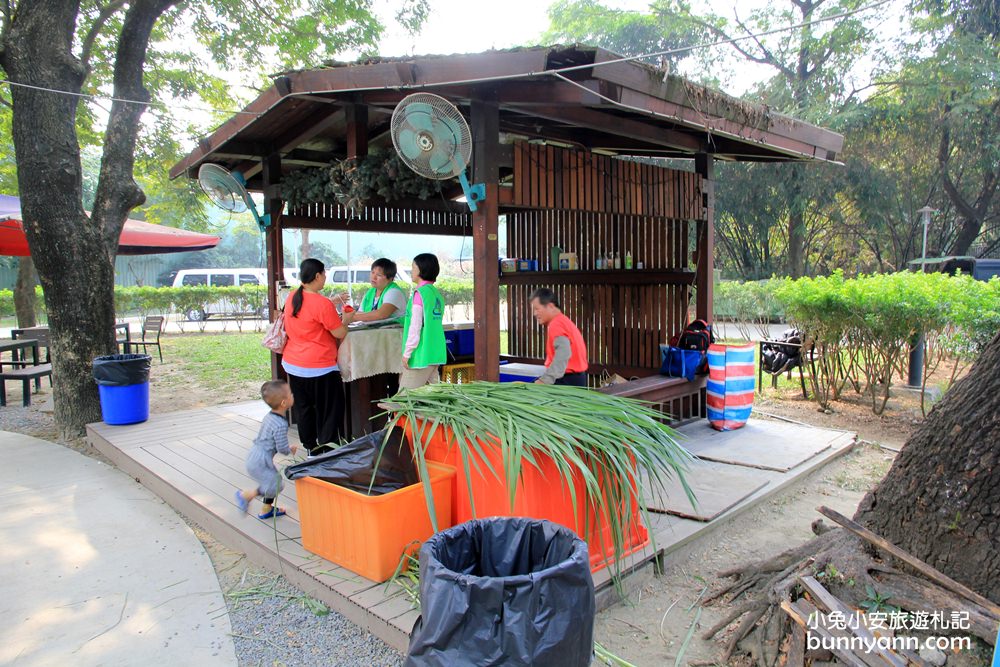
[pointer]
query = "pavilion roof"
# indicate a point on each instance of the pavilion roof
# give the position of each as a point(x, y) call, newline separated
point(575, 95)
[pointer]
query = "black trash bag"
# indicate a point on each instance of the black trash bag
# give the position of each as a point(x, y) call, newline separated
point(351, 465)
point(120, 370)
point(504, 591)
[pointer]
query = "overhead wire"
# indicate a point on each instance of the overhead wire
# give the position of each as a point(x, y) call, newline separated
point(557, 72)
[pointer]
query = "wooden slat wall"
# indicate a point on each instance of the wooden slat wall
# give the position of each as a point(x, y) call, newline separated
point(593, 205)
point(547, 177)
point(379, 218)
point(622, 325)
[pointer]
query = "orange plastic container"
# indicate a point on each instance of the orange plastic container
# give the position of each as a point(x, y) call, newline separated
point(541, 494)
point(368, 534)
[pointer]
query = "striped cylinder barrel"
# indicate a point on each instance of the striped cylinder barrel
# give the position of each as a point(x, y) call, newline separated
point(730, 385)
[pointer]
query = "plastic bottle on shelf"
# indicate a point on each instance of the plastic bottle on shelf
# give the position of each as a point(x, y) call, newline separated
point(618, 261)
point(638, 265)
point(628, 260)
point(599, 262)
point(609, 261)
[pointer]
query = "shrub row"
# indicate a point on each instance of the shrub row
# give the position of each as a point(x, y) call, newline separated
point(246, 299)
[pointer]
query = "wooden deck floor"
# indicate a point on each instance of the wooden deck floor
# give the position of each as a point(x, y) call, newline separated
point(194, 460)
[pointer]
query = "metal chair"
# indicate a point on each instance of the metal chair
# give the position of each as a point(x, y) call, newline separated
point(152, 327)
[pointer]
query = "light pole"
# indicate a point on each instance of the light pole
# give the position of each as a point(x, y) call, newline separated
point(925, 212)
point(916, 374)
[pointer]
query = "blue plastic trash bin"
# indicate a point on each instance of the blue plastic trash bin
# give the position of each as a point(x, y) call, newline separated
point(123, 385)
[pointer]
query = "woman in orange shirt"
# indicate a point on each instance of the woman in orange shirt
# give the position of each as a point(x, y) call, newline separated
point(314, 329)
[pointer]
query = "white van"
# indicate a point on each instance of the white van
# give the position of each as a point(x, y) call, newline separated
point(361, 274)
point(225, 278)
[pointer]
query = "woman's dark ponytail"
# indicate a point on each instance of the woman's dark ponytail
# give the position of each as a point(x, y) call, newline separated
point(297, 302)
point(308, 270)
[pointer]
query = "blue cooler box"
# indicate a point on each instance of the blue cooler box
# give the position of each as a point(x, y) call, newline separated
point(521, 372)
point(460, 342)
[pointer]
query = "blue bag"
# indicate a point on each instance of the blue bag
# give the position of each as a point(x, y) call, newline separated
point(680, 363)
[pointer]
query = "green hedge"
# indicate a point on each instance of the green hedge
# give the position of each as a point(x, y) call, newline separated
point(7, 302)
point(863, 327)
point(247, 298)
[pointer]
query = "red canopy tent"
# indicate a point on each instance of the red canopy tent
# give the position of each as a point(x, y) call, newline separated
point(137, 238)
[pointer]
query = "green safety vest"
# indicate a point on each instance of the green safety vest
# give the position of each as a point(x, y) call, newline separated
point(368, 303)
point(431, 349)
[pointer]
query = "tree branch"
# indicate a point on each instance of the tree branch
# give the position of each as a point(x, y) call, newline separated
point(6, 20)
point(105, 13)
point(117, 191)
point(769, 58)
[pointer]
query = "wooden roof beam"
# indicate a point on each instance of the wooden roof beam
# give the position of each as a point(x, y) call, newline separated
point(618, 126)
point(644, 90)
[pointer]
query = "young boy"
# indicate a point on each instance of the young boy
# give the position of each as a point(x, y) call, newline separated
point(272, 438)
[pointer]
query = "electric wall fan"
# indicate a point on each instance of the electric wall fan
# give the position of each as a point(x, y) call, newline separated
point(433, 139)
point(228, 191)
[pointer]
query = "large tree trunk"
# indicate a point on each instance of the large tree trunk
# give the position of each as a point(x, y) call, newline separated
point(24, 293)
point(74, 254)
point(940, 500)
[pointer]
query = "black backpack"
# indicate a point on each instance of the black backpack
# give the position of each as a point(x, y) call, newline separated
point(697, 335)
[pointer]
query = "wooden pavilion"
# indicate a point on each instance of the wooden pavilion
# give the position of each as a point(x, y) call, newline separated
point(569, 142)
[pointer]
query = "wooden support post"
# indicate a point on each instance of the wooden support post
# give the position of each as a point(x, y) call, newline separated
point(485, 247)
point(273, 205)
point(357, 130)
point(705, 167)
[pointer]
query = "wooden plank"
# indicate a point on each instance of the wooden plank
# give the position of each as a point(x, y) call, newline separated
point(758, 449)
point(801, 611)
point(717, 488)
point(920, 566)
point(486, 128)
point(825, 600)
point(634, 277)
point(796, 647)
point(518, 197)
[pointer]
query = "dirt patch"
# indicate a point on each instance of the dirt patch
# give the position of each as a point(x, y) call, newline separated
point(171, 389)
point(651, 628)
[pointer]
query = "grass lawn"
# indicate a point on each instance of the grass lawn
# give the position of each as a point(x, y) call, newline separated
point(219, 360)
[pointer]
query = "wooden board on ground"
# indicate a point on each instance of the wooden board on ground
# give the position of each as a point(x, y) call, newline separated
point(780, 446)
point(717, 487)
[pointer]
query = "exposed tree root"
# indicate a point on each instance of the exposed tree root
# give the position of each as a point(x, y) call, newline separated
point(844, 565)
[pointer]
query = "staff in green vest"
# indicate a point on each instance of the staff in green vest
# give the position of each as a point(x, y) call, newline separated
point(384, 299)
point(423, 327)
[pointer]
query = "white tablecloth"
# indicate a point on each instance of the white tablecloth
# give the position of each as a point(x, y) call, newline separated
point(368, 352)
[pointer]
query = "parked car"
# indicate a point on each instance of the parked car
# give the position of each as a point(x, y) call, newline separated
point(360, 274)
point(225, 278)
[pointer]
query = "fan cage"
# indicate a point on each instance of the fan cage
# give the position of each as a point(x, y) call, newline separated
point(444, 114)
point(222, 187)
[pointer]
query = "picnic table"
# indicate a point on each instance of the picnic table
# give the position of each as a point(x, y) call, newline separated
point(20, 368)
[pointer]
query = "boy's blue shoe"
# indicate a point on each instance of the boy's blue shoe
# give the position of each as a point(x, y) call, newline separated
point(275, 512)
point(241, 502)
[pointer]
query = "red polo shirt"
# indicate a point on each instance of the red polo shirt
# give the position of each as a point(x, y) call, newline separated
point(563, 326)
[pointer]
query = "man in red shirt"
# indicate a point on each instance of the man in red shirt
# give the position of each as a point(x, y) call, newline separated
point(565, 351)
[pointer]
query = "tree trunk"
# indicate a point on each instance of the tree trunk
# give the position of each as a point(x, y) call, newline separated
point(74, 254)
point(940, 500)
point(24, 293)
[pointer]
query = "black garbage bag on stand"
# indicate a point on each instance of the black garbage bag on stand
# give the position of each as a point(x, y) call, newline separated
point(504, 591)
point(351, 466)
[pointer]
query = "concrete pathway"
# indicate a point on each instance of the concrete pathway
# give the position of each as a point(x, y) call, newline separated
point(97, 570)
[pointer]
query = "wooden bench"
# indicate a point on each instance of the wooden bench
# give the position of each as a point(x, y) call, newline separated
point(680, 400)
point(26, 375)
